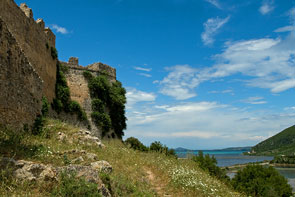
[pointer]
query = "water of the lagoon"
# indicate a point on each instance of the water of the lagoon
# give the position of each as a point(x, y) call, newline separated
point(229, 158)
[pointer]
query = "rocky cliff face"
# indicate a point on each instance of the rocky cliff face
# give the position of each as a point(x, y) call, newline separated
point(21, 86)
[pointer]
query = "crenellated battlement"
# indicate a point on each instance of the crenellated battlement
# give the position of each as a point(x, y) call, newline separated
point(98, 68)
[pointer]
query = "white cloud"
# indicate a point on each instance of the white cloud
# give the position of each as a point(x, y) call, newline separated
point(59, 29)
point(145, 74)
point(269, 62)
point(291, 27)
point(180, 82)
point(188, 124)
point(255, 100)
point(228, 91)
point(134, 96)
point(215, 3)
point(285, 29)
point(142, 69)
point(212, 25)
point(266, 7)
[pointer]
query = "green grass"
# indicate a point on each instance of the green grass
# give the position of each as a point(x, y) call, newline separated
point(135, 173)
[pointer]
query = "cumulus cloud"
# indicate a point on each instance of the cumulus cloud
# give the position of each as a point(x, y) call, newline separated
point(267, 63)
point(134, 96)
point(212, 25)
point(215, 3)
point(189, 123)
point(180, 82)
point(59, 29)
point(266, 7)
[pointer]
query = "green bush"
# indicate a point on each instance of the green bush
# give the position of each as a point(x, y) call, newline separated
point(111, 96)
point(54, 53)
point(45, 106)
point(117, 108)
point(38, 125)
point(98, 105)
point(135, 144)
point(102, 120)
point(64, 69)
point(256, 180)
point(209, 164)
point(159, 147)
point(74, 107)
point(87, 75)
point(63, 101)
point(99, 88)
point(70, 185)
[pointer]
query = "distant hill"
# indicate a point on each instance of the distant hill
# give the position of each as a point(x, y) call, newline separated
point(282, 143)
point(246, 149)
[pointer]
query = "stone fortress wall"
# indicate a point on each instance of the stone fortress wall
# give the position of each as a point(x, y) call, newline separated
point(32, 37)
point(28, 70)
point(20, 85)
point(79, 86)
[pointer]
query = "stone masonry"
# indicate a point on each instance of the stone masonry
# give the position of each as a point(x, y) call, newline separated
point(79, 86)
point(28, 70)
point(20, 98)
point(34, 39)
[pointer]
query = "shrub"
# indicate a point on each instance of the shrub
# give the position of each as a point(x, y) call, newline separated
point(159, 147)
point(111, 96)
point(87, 75)
point(99, 88)
point(64, 69)
point(102, 120)
point(63, 102)
point(256, 180)
point(70, 185)
point(97, 105)
point(135, 144)
point(209, 164)
point(54, 53)
point(45, 106)
point(117, 108)
point(38, 125)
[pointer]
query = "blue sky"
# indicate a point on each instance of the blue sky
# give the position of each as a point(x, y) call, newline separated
point(199, 74)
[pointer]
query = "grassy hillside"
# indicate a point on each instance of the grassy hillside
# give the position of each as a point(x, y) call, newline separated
point(281, 143)
point(134, 173)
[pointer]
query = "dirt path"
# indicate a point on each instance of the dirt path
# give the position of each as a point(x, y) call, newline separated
point(157, 184)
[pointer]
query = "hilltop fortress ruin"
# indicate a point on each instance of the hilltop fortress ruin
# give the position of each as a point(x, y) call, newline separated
point(28, 67)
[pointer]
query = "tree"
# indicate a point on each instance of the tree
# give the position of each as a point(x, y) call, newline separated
point(209, 164)
point(256, 180)
point(135, 144)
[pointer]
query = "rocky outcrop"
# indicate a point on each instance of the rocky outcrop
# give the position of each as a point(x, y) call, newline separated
point(31, 171)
